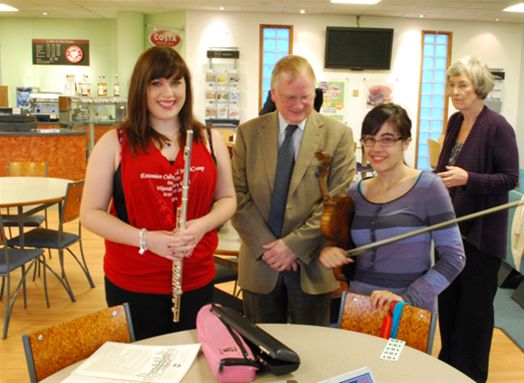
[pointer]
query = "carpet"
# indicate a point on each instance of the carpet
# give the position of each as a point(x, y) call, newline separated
point(509, 316)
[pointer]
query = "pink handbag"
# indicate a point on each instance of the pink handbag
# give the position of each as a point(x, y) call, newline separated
point(228, 356)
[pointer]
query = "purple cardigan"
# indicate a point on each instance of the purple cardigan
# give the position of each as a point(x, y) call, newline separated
point(490, 156)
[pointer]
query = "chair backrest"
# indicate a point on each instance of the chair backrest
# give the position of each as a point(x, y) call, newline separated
point(416, 325)
point(72, 200)
point(27, 169)
point(433, 151)
point(57, 347)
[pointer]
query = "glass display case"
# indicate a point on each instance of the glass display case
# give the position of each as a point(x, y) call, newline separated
point(86, 110)
point(90, 113)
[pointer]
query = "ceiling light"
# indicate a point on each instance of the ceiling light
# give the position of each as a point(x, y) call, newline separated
point(515, 8)
point(7, 8)
point(369, 2)
point(44, 13)
point(420, 16)
point(220, 8)
point(497, 19)
point(302, 11)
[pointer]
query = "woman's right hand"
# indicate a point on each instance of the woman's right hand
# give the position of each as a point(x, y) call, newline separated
point(170, 245)
point(332, 257)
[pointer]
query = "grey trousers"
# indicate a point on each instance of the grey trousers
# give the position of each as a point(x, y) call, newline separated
point(287, 303)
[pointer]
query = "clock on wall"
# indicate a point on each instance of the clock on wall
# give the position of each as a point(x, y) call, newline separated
point(74, 54)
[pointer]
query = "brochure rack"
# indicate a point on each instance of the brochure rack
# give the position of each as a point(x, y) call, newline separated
point(222, 88)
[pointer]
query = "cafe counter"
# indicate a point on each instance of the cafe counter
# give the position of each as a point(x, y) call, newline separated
point(65, 150)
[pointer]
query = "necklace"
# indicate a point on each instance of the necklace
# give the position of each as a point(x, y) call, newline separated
point(169, 141)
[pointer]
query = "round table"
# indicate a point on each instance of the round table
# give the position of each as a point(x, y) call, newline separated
point(24, 191)
point(324, 352)
point(37, 192)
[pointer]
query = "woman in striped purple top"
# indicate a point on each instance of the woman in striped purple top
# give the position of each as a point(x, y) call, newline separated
point(398, 200)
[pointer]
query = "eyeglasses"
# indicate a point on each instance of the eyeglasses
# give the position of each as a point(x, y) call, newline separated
point(385, 142)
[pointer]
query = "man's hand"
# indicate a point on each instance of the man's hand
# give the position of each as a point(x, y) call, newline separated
point(279, 257)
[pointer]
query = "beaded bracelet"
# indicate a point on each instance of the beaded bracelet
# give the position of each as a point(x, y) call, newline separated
point(142, 242)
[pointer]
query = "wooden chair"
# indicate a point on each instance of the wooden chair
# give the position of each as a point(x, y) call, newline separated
point(11, 260)
point(25, 169)
point(417, 326)
point(57, 347)
point(60, 240)
point(433, 151)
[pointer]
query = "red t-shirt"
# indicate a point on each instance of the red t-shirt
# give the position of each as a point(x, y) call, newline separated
point(152, 189)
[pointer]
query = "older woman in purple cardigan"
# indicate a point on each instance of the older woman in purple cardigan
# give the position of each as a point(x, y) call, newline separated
point(479, 166)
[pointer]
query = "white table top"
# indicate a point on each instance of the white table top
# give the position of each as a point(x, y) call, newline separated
point(22, 191)
point(324, 352)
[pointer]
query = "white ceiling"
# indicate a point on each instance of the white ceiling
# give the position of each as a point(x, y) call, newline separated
point(478, 10)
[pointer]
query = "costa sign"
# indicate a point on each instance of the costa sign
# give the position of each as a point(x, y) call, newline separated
point(164, 37)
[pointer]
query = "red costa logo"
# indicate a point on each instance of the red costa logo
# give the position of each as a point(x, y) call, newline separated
point(164, 37)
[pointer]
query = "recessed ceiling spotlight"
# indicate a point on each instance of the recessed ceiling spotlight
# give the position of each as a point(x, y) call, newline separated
point(497, 19)
point(515, 8)
point(302, 11)
point(220, 8)
point(421, 16)
point(369, 2)
point(44, 13)
point(7, 8)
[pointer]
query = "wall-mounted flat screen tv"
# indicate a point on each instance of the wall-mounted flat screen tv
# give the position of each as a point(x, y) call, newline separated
point(358, 48)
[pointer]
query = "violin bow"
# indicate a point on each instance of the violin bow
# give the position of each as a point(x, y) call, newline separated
point(361, 249)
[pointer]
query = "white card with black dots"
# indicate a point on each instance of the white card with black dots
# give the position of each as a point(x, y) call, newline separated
point(392, 350)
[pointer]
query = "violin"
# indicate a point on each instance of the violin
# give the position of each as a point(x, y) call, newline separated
point(335, 223)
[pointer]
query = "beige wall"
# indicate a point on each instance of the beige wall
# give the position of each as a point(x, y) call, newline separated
point(500, 45)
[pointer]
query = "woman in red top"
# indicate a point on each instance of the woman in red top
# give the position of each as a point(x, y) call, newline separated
point(139, 169)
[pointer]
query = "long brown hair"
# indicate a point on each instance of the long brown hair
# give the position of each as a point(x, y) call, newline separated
point(154, 63)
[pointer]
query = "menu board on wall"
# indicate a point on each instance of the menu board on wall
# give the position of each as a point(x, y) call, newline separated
point(60, 52)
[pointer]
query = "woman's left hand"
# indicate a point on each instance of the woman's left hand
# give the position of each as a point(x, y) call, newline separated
point(196, 228)
point(383, 298)
point(453, 176)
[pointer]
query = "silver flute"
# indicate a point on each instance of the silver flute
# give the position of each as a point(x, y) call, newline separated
point(176, 279)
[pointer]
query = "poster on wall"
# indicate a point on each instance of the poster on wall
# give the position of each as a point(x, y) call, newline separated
point(333, 104)
point(60, 52)
point(378, 93)
point(23, 95)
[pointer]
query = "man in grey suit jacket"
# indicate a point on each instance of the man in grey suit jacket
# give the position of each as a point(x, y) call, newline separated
point(280, 273)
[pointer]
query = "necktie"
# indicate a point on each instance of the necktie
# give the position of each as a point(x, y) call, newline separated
point(285, 163)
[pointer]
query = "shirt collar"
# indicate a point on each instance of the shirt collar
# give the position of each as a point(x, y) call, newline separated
point(282, 124)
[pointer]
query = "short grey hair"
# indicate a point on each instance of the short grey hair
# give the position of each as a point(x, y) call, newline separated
point(293, 65)
point(478, 73)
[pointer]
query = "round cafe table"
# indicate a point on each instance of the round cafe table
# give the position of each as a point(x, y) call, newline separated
point(324, 352)
point(24, 191)
point(37, 192)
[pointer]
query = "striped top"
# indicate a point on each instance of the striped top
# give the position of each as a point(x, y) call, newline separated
point(405, 267)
